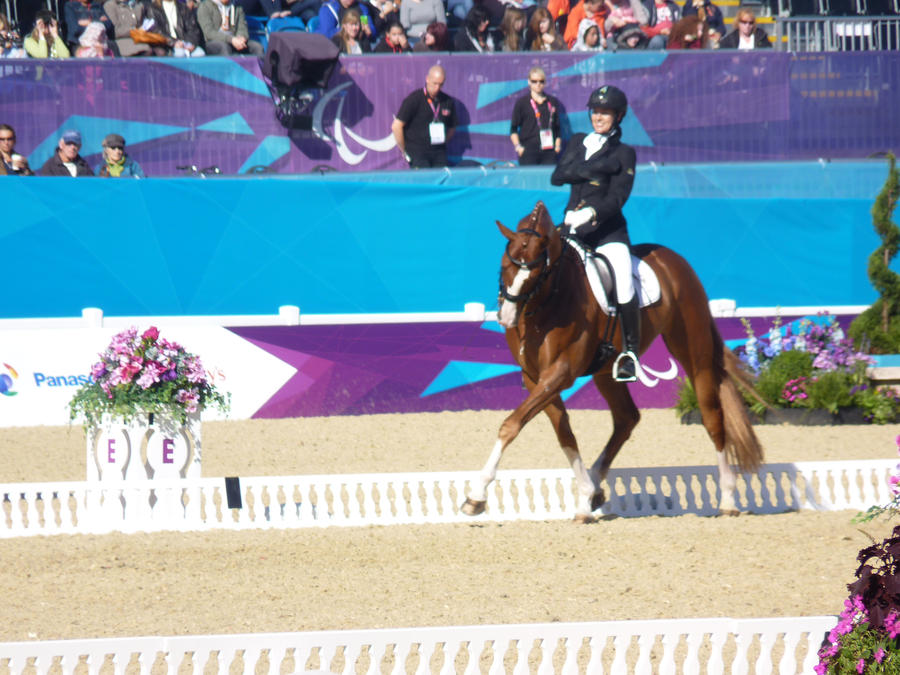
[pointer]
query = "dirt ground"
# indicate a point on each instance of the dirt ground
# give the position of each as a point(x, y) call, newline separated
point(76, 586)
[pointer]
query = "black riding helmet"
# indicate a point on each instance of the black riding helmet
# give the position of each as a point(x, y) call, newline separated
point(609, 98)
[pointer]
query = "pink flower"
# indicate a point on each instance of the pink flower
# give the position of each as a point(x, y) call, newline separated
point(151, 333)
point(891, 625)
point(860, 665)
point(821, 668)
point(879, 655)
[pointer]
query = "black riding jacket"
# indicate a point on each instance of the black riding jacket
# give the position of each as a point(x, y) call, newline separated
point(602, 182)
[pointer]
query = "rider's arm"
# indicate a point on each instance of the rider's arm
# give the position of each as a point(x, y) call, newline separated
point(566, 170)
point(620, 184)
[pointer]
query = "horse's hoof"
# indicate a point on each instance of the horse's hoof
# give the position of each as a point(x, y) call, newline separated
point(472, 507)
point(729, 512)
point(598, 500)
point(584, 519)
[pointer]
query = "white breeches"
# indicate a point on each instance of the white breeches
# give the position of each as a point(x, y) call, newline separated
point(619, 256)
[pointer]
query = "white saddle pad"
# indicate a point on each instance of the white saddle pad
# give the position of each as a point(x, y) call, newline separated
point(646, 284)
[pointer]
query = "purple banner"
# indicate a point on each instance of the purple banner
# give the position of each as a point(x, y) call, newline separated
point(391, 368)
point(685, 107)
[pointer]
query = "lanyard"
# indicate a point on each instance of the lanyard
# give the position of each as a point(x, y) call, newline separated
point(435, 109)
point(537, 111)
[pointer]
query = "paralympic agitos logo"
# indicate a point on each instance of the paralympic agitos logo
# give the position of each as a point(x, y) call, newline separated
point(8, 377)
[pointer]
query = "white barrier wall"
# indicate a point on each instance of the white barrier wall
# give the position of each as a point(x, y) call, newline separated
point(280, 502)
point(668, 646)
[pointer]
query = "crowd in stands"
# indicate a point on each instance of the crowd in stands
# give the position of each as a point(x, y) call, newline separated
point(193, 28)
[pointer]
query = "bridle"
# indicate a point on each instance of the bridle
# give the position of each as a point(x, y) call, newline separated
point(543, 262)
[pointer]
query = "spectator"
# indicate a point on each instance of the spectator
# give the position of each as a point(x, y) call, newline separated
point(473, 35)
point(594, 10)
point(394, 41)
point(350, 39)
point(512, 30)
point(542, 35)
point(415, 15)
point(662, 15)
point(631, 36)
point(224, 28)
point(747, 35)
point(92, 44)
point(10, 41)
point(116, 162)
point(715, 22)
point(425, 123)
point(79, 13)
point(559, 12)
point(125, 16)
point(497, 8)
point(458, 9)
point(589, 38)
point(65, 160)
point(534, 128)
point(434, 39)
point(11, 163)
point(383, 12)
point(623, 14)
point(44, 41)
point(178, 22)
point(689, 32)
point(330, 17)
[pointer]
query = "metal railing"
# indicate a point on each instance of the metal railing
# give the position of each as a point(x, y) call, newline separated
point(837, 33)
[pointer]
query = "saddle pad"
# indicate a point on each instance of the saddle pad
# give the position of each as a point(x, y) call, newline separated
point(646, 284)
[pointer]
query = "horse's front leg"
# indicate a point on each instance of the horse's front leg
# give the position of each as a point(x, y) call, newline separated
point(625, 416)
point(559, 418)
point(552, 381)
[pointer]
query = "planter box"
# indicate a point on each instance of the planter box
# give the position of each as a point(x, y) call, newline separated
point(150, 446)
point(797, 416)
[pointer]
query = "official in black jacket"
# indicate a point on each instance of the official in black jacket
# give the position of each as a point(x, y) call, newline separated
point(600, 170)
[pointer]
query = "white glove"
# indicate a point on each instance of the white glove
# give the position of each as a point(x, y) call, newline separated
point(576, 219)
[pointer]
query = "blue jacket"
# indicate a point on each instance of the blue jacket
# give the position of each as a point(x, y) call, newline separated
point(330, 18)
point(131, 169)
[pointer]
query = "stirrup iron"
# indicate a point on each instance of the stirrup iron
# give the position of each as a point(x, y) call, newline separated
point(626, 376)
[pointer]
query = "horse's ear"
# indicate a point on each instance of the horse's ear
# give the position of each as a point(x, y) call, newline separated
point(505, 231)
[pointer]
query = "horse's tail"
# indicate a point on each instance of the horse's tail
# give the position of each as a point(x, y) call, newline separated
point(741, 443)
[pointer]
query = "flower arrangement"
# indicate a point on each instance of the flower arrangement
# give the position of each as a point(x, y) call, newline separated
point(144, 373)
point(809, 364)
point(865, 639)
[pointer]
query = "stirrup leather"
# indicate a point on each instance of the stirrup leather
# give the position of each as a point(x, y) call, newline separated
point(625, 377)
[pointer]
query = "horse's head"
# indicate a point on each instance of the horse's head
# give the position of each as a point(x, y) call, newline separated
point(530, 252)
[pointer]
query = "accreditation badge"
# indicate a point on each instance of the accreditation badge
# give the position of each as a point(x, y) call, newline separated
point(437, 133)
point(546, 139)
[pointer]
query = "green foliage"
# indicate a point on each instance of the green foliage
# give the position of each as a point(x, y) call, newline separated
point(863, 643)
point(878, 325)
point(786, 366)
point(687, 397)
point(829, 390)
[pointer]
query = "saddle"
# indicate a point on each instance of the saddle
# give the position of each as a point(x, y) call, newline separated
point(600, 277)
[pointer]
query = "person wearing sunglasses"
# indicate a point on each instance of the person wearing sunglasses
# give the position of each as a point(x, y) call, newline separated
point(65, 160)
point(11, 163)
point(746, 35)
point(534, 128)
point(116, 162)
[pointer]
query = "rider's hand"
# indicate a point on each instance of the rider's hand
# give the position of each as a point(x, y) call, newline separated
point(576, 219)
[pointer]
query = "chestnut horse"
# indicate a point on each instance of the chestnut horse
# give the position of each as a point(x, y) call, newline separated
point(557, 332)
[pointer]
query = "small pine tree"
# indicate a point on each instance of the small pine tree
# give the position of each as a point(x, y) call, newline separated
point(877, 329)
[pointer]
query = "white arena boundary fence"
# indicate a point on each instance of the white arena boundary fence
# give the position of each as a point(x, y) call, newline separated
point(659, 646)
point(281, 502)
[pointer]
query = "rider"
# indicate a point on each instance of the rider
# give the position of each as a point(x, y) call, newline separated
point(600, 169)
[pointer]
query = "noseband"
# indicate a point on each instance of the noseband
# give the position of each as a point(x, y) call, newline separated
point(543, 262)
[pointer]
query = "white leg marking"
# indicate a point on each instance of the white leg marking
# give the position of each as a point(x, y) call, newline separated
point(478, 490)
point(727, 484)
point(582, 480)
point(509, 311)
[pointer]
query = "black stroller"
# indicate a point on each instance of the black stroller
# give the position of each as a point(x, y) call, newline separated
point(298, 66)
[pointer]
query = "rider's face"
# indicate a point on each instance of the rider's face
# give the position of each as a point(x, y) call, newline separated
point(602, 120)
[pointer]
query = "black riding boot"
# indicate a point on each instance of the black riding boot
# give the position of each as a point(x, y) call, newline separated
point(625, 367)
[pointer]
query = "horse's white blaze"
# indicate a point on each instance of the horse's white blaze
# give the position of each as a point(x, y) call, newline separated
point(727, 484)
point(478, 490)
point(509, 310)
point(583, 481)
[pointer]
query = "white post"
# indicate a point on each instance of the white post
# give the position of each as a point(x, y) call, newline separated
point(93, 317)
point(290, 315)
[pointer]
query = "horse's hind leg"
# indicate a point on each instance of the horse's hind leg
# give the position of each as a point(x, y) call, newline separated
point(625, 416)
point(559, 418)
